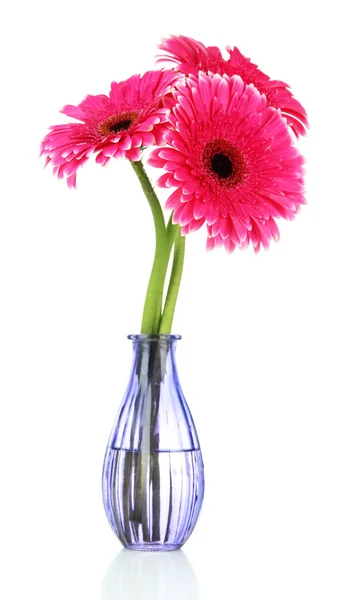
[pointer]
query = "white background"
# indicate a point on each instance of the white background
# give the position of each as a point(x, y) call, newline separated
point(270, 359)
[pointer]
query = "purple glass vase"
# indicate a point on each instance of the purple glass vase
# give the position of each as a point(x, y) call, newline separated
point(153, 474)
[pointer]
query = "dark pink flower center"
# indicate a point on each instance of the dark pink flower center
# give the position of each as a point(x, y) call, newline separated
point(117, 123)
point(224, 162)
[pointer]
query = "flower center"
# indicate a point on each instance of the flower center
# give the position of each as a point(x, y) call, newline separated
point(224, 162)
point(120, 126)
point(117, 123)
point(222, 165)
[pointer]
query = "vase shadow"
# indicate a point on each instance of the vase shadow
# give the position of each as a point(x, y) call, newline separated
point(150, 576)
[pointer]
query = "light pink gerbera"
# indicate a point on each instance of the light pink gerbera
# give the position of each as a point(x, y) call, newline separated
point(119, 125)
point(232, 162)
point(192, 56)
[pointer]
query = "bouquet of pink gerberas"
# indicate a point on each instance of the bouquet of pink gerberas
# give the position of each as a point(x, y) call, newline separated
point(224, 136)
point(223, 133)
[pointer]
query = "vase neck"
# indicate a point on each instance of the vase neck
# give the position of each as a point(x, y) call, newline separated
point(154, 356)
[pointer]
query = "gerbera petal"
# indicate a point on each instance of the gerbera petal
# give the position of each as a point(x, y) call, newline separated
point(174, 200)
point(174, 139)
point(154, 160)
point(211, 215)
point(186, 215)
point(147, 138)
point(71, 181)
point(110, 149)
point(133, 154)
point(126, 143)
point(223, 93)
point(182, 174)
point(210, 243)
point(187, 106)
point(171, 154)
point(240, 229)
point(229, 245)
point(138, 140)
point(192, 226)
point(101, 159)
point(190, 186)
point(166, 180)
point(73, 111)
point(200, 207)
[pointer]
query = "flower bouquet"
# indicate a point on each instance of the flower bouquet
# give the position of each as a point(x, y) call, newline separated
point(224, 136)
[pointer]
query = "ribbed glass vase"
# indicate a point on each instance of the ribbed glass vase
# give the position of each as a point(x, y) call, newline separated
point(153, 475)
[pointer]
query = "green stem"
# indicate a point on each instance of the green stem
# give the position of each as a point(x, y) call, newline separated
point(175, 280)
point(153, 302)
point(170, 232)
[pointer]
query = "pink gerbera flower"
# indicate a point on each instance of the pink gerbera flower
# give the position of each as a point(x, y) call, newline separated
point(119, 125)
point(192, 56)
point(232, 162)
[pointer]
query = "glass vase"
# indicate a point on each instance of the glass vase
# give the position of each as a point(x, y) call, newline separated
point(153, 474)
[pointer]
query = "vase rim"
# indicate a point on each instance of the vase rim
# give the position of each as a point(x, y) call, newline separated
point(154, 337)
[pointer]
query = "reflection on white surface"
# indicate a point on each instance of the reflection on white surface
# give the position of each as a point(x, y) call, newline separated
point(150, 576)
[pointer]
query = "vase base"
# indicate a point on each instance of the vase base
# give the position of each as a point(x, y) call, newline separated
point(153, 547)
